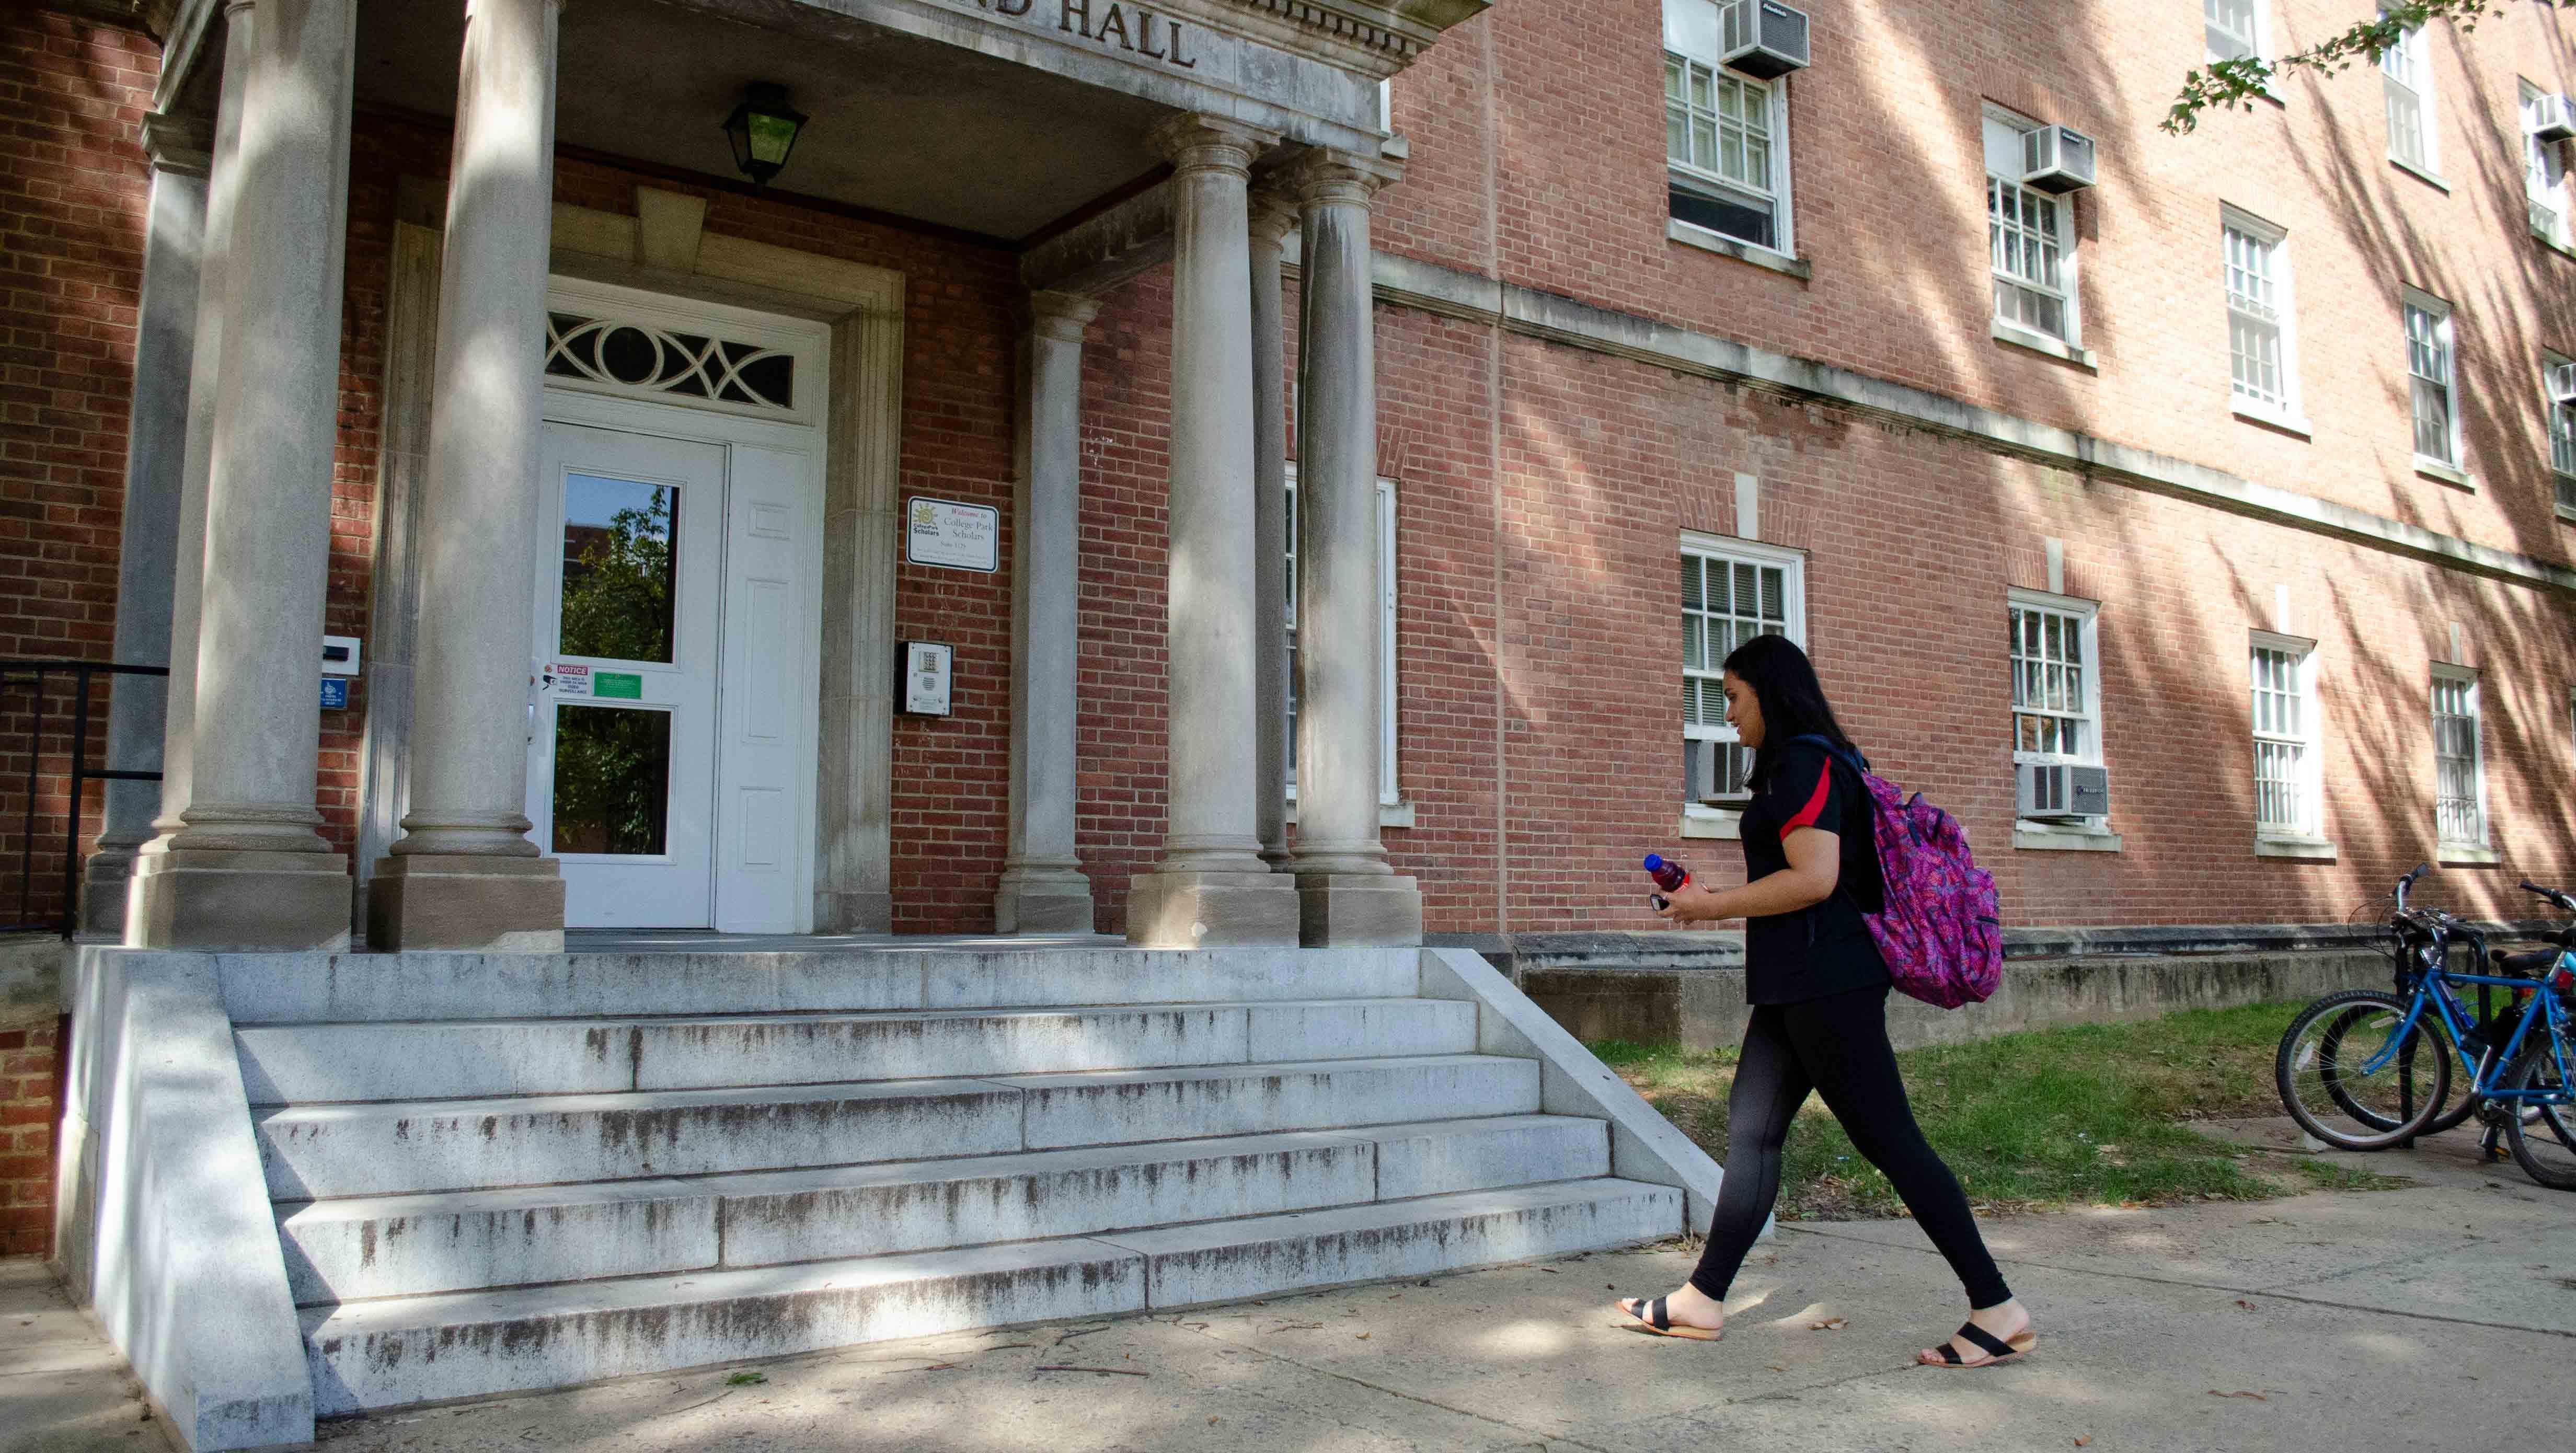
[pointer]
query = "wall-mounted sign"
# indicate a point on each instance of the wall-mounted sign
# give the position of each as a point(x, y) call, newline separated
point(335, 693)
point(925, 678)
point(568, 678)
point(339, 655)
point(571, 678)
point(952, 536)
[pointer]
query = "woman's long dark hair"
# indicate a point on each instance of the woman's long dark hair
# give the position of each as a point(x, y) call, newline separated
point(1792, 699)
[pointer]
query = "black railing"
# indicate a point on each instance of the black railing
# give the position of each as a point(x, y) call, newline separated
point(32, 676)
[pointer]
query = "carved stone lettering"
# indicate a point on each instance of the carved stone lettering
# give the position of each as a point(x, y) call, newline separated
point(1116, 26)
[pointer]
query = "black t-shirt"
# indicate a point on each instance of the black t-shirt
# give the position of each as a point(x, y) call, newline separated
point(1824, 949)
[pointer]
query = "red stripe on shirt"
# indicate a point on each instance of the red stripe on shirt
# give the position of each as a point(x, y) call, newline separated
point(1815, 807)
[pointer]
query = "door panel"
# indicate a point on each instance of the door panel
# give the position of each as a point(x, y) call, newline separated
point(766, 764)
point(622, 744)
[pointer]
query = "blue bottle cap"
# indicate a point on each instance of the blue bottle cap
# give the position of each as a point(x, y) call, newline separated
point(1654, 861)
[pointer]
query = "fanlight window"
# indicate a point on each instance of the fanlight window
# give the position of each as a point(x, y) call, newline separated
point(637, 357)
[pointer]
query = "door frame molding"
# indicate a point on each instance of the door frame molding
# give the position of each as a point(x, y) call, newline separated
point(665, 251)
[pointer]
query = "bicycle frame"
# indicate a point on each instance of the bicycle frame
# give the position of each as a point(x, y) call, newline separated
point(2435, 987)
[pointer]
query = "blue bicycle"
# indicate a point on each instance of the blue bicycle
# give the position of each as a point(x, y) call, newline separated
point(2364, 1069)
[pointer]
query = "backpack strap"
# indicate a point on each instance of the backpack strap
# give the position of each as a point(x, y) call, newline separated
point(1848, 756)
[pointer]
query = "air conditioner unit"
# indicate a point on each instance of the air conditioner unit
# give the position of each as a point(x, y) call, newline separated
point(1764, 38)
point(2056, 791)
point(2562, 383)
point(2550, 118)
point(2056, 159)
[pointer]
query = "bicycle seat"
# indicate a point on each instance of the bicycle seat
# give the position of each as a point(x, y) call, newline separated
point(2524, 965)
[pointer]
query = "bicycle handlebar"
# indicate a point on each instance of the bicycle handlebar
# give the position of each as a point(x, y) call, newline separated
point(2550, 895)
point(2409, 881)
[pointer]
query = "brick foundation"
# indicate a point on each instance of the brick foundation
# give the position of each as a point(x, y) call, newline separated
point(29, 1085)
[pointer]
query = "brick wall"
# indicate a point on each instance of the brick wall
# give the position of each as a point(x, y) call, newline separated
point(28, 1067)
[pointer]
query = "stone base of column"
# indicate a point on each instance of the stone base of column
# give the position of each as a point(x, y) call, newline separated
point(1042, 900)
point(462, 901)
point(201, 898)
point(106, 881)
point(853, 912)
point(1352, 910)
point(1212, 910)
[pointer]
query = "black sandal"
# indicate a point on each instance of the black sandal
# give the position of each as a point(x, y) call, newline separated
point(1660, 1324)
point(1997, 1349)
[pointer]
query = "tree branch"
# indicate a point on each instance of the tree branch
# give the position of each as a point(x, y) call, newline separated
point(2235, 84)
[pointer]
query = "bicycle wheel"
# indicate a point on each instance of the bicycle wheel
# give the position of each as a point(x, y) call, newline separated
point(2331, 1086)
point(2543, 1135)
point(2457, 1114)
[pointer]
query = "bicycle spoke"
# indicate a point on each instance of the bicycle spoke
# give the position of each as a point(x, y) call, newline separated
point(2355, 1075)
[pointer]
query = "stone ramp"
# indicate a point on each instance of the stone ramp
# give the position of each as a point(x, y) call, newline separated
point(534, 1171)
point(473, 1174)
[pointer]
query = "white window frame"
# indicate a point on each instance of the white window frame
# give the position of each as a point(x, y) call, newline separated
point(2088, 618)
point(2559, 419)
point(2068, 291)
point(2465, 676)
point(1692, 37)
point(1792, 565)
point(2258, 44)
point(2275, 241)
point(2408, 68)
point(1390, 781)
point(2446, 337)
point(2309, 738)
point(2544, 180)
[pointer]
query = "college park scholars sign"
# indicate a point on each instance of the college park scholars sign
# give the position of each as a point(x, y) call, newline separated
point(952, 536)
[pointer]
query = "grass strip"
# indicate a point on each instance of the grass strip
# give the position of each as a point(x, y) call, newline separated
point(2089, 1114)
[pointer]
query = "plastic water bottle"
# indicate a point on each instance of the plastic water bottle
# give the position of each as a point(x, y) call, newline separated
point(1668, 875)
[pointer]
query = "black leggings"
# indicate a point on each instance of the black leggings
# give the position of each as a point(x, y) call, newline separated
point(1836, 1045)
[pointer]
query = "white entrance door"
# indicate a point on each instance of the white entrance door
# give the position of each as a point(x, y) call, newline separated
point(622, 748)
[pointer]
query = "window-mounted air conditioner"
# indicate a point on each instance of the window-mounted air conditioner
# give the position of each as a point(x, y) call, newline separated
point(2054, 791)
point(1764, 38)
point(2056, 159)
point(2551, 118)
point(2562, 383)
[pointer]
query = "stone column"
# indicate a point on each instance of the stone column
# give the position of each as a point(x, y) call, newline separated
point(464, 875)
point(156, 449)
point(1272, 215)
point(1347, 893)
point(243, 866)
point(1043, 887)
point(1211, 887)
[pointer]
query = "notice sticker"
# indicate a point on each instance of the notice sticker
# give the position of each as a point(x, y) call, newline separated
point(624, 685)
point(568, 679)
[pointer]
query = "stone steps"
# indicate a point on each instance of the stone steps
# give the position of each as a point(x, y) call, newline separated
point(397, 1351)
point(346, 1250)
point(309, 1064)
point(315, 1152)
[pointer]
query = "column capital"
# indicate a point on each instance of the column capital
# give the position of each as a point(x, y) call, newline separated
point(1274, 211)
point(182, 144)
point(1197, 142)
point(1061, 316)
point(1324, 174)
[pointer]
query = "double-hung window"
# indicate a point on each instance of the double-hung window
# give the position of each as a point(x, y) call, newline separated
point(2432, 378)
point(2558, 383)
point(2544, 173)
point(1726, 135)
point(2406, 75)
point(2235, 29)
point(2030, 240)
point(2056, 690)
point(1732, 591)
point(2286, 768)
point(1389, 784)
point(2459, 760)
point(2261, 344)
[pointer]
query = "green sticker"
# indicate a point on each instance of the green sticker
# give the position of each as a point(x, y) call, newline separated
point(618, 683)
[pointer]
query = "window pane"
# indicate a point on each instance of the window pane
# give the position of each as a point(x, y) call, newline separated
point(619, 567)
point(612, 780)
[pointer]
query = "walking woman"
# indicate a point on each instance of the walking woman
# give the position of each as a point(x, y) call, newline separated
point(1819, 989)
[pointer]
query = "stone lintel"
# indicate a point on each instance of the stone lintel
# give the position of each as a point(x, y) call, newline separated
point(1128, 240)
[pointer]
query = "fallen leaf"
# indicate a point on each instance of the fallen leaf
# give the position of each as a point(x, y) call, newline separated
point(2256, 1396)
point(1834, 1325)
point(2084, 1441)
point(1551, 1271)
point(746, 1379)
point(1776, 1367)
point(1362, 1337)
point(2249, 1306)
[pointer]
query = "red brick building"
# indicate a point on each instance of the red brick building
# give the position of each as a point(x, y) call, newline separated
point(2109, 468)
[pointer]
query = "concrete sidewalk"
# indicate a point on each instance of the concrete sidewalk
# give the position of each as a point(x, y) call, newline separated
point(2438, 1316)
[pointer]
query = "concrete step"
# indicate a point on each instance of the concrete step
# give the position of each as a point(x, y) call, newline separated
point(316, 1152)
point(403, 1350)
point(347, 1250)
point(1222, 1261)
point(366, 988)
point(334, 1063)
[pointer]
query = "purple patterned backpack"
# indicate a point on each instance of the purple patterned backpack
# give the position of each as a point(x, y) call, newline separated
point(1941, 929)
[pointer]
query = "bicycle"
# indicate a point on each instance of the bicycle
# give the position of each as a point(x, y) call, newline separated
point(2360, 1069)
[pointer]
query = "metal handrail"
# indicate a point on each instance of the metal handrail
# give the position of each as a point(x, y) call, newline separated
point(34, 674)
